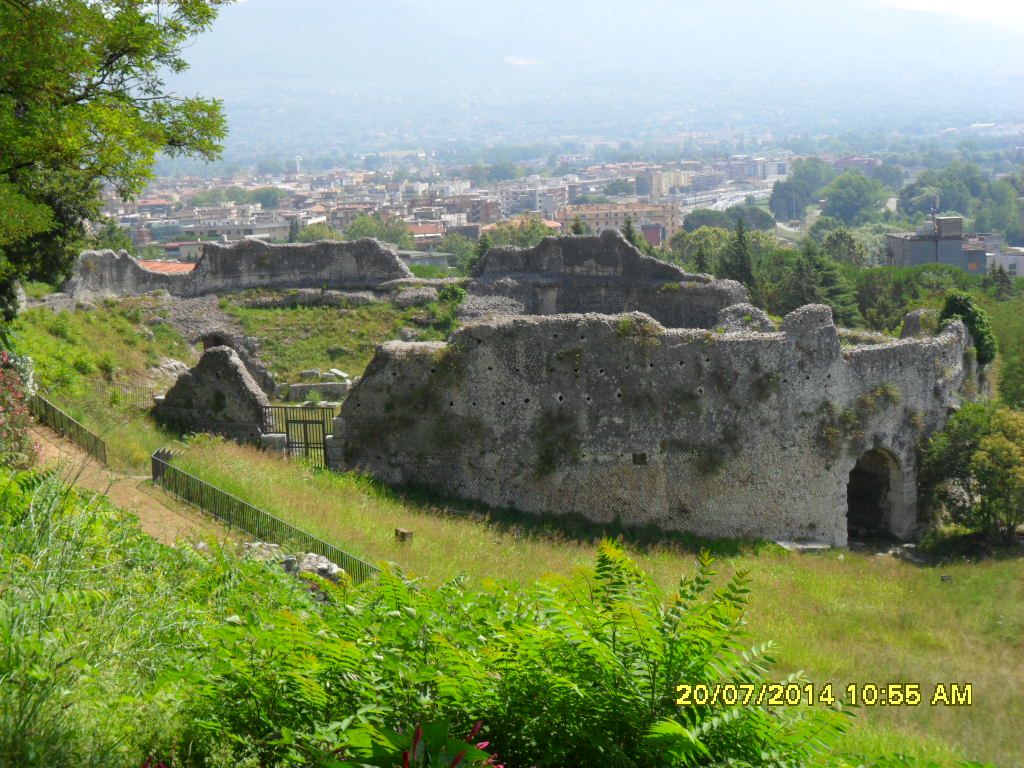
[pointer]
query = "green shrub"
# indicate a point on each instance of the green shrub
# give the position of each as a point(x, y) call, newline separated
point(960, 304)
point(115, 650)
point(972, 468)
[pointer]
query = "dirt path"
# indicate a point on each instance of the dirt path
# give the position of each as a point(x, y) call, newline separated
point(160, 516)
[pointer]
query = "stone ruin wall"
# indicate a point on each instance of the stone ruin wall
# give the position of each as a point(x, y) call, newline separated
point(218, 395)
point(603, 274)
point(741, 433)
point(242, 266)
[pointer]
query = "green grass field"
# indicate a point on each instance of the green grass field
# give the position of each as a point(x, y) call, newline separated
point(841, 617)
point(301, 338)
point(77, 353)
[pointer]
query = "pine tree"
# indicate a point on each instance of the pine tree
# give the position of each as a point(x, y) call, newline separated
point(578, 227)
point(802, 285)
point(700, 263)
point(738, 263)
point(293, 230)
point(837, 292)
point(1003, 284)
point(483, 245)
point(629, 232)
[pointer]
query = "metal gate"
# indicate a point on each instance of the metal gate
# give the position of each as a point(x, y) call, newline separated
point(304, 427)
point(305, 438)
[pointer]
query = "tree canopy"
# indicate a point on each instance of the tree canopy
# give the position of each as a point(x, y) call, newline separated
point(852, 196)
point(83, 103)
point(523, 231)
point(791, 197)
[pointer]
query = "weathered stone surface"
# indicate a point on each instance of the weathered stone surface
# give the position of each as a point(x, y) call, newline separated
point(604, 274)
point(744, 317)
point(248, 351)
point(170, 368)
point(308, 297)
point(218, 396)
point(919, 323)
point(411, 297)
point(361, 264)
point(275, 442)
point(615, 417)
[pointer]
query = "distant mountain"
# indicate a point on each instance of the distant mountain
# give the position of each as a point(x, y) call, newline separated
point(293, 70)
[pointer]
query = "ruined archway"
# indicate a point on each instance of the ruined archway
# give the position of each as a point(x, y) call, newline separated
point(874, 495)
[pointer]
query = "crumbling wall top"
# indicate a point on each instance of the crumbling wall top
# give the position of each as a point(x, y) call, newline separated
point(606, 255)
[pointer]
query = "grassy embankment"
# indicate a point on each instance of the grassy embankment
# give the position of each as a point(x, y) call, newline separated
point(844, 617)
point(77, 353)
point(299, 338)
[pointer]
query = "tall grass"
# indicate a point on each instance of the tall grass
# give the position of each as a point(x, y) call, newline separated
point(841, 617)
point(98, 623)
point(72, 351)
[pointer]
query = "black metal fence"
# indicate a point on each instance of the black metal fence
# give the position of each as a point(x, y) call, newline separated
point(132, 395)
point(49, 414)
point(261, 525)
point(277, 417)
point(305, 429)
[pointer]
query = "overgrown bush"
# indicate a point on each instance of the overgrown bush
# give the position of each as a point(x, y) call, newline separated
point(974, 468)
point(116, 650)
point(16, 447)
point(961, 304)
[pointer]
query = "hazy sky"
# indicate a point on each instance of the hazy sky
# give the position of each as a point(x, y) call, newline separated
point(998, 11)
point(300, 73)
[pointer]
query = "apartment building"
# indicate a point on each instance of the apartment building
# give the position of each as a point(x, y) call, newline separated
point(601, 216)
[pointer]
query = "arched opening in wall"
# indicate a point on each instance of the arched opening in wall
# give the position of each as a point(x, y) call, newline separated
point(870, 495)
point(214, 340)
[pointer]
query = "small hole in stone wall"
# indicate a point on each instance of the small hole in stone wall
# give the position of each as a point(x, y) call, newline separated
point(551, 370)
point(807, 378)
point(517, 370)
point(526, 399)
point(575, 370)
point(479, 341)
point(394, 373)
point(583, 338)
point(640, 459)
point(474, 403)
point(490, 367)
point(700, 390)
point(600, 370)
point(554, 335)
point(785, 381)
point(707, 359)
point(560, 398)
point(451, 403)
point(650, 365)
point(587, 398)
point(433, 370)
point(682, 364)
point(502, 402)
point(829, 376)
point(618, 395)
point(627, 367)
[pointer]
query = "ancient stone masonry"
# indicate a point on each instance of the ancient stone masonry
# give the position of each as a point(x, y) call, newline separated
point(248, 352)
point(362, 264)
point(218, 395)
point(602, 274)
point(730, 432)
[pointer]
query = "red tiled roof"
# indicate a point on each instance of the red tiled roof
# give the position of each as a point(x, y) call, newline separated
point(167, 267)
